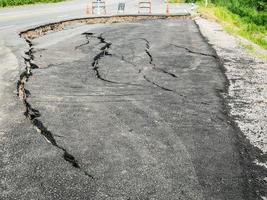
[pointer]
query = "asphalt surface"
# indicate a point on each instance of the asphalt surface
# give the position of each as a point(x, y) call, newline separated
point(123, 111)
point(20, 17)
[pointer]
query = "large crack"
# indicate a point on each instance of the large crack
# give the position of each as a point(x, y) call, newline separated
point(33, 114)
point(102, 40)
point(103, 52)
point(195, 52)
point(152, 63)
point(87, 36)
point(155, 68)
point(159, 86)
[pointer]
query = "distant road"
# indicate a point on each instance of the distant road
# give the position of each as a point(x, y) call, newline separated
point(41, 13)
point(29, 15)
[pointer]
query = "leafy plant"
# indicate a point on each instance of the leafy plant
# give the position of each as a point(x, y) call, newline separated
point(5, 3)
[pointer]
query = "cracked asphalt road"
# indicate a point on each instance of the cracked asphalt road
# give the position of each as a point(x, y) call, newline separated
point(137, 107)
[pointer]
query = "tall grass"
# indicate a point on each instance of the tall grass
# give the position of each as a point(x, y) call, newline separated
point(247, 20)
point(5, 3)
point(254, 11)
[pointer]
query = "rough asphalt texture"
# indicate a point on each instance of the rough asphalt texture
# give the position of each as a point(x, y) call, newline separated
point(141, 115)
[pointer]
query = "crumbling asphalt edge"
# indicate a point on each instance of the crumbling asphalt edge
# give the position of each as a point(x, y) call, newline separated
point(32, 113)
point(255, 185)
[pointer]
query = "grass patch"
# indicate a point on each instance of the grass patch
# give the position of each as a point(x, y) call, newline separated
point(247, 46)
point(5, 3)
point(250, 48)
point(235, 24)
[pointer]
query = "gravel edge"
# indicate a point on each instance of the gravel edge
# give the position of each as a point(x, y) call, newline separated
point(246, 95)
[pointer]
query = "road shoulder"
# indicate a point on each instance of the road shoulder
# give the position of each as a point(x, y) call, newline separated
point(247, 94)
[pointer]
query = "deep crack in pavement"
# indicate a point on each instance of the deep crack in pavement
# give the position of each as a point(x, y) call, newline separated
point(145, 116)
point(155, 68)
point(32, 114)
point(104, 52)
point(87, 35)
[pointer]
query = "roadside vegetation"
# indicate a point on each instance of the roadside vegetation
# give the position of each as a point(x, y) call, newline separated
point(247, 18)
point(5, 3)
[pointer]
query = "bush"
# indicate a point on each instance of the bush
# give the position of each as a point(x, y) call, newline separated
point(4, 3)
point(251, 11)
point(244, 20)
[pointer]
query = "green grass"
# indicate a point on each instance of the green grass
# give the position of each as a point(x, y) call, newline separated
point(236, 24)
point(5, 3)
point(249, 47)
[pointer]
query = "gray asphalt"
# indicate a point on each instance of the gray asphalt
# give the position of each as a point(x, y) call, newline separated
point(123, 111)
point(19, 18)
